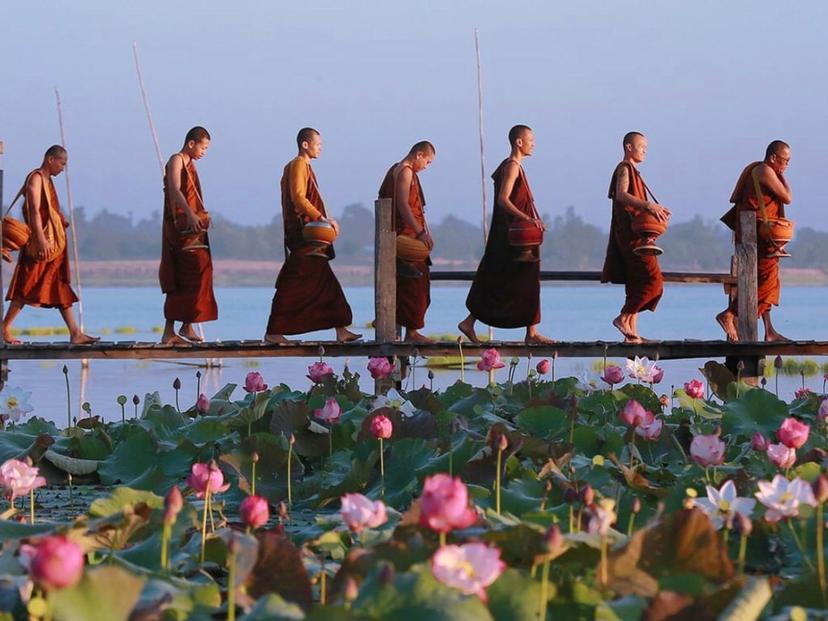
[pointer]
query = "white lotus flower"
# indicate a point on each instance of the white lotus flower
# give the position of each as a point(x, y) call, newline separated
point(642, 369)
point(14, 403)
point(722, 505)
point(394, 399)
point(782, 497)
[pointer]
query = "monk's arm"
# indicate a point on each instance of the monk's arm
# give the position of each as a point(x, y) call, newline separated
point(507, 185)
point(776, 183)
point(298, 183)
point(402, 189)
point(173, 173)
point(630, 202)
point(34, 190)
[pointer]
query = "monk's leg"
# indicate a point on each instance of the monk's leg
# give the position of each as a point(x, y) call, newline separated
point(624, 325)
point(533, 336)
point(344, 335)
point(727, 320)
point(75, 335)
point(170, 337)
point(466, 328)
point(414, 336)
point(188, 332)
point(11, 314)
point(771, 335)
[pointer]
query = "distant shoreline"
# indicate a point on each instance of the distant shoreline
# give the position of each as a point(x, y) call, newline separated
point(246, 273)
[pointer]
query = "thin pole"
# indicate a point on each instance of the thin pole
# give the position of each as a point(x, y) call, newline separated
point(147, 107)
point(2, 303)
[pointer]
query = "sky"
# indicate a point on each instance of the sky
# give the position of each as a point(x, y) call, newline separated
point(709, 82)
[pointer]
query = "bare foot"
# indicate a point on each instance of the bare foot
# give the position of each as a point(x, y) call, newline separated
point(725, 320)
point(83, 339)
point(775, 337)
point(190, 335)
point(10, 340)
point(174, 339)
point(468, 330)
point(635, 340)
point(344, 335)
point(618, 323)
point(538, 339)
point(275, 339)
point(416, 337)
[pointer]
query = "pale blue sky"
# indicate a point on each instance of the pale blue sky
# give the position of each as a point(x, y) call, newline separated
point(709, 82)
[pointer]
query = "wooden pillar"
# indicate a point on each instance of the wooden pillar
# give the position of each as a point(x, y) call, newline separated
point(4, 364)
point(747, 296)
point(385, 274)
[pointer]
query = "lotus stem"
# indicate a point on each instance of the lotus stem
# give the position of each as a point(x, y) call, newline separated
point(742, 553)
point(571, 519)
point(382, 469)
point(604, 572)
point(725, 538)
point(68, 398)
point(204, 523)
point(462, 359)
point(330, 441)
point(71, 500)
point(323, 595)
point(544, 592)
point(198, 384)
point(631, 524)
point(253, 475)
point(123, 414)
point(442, 539)
point(451, 460)
point(165, 543)
point(210, 512)
point(31, 506)
point(820, 534)
point(800, 547)
point(289, 468)
point(231, 581)
point(497, 479)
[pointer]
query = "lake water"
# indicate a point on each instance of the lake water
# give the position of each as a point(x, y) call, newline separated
point(572, 313)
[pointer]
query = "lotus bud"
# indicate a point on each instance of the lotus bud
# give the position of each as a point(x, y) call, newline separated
point(430, 374)
point(777, 362)
point(292, 439)
point(740, 366)
point(502, 442)
point(570, 495)
point(198, 374)
point(636, 505)
point(283, 511)
point(87, 407)
point(548, 487)
point(173, 503)
point(821, 488)
point(177, 384)
point(351, 589)
point(254, 457)
point(135, 400)
point(742, 524)
point(764, 382)
point(65, 370)
point(554, 539)
point(387, 573)
point(587, 494)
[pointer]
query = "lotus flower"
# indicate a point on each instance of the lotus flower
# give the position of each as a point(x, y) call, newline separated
point(393, 399)
point(444, 504)
point(722, 505)
point(173, 503)
point(380, 367)
point(657, 374)
point(542, 367)
point(330, 412)
point(318, 371)
point(490, 360)
point(254, 382)
point(202, 404)
point(207, 477)
point(381, 427)
point(14, 403)
point(822, 413)
point(602, 517)
point(792, 433)
point(613, 375)
point(17, 478)
point(55, 563)
point(360, 512)
point(782, 456)
point(651, 431)
point(803, 393)
point(782, 497)
point(633, 414)
point(759, 442)
point(254, 512)
point(694, 389)
point(707, 450)
point(470, 568)
point(643, 370)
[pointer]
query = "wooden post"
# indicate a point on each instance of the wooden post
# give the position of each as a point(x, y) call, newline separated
point(747, 295)
point(4, 364)
point(385, 274)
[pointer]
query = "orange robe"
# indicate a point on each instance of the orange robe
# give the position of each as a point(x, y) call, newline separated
point(186, 276)
point(43, 283)
point(640, 275)
point(506, 293)
point(413, 294)
point(308, 296)
point(767, 273)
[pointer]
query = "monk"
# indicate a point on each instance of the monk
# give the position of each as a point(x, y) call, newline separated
point(186, 270)
point(41, 277)
point(308, 296)
point(506, 293)
point(640, 274)
point(402, 186)
point(776, 193)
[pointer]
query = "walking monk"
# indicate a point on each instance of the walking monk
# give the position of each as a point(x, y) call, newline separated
point(402, 186)
point(186, 270)
point(41, 277)
point(640, 274)
point(776, 193)
point(506, 293)
point(308, 296)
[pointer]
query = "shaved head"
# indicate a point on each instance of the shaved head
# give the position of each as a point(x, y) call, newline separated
point(775, 147)
point(197, 134)
point(518, 131)
point(54, 151)
point(305, 134)
point(424, 147)
point(629, 137)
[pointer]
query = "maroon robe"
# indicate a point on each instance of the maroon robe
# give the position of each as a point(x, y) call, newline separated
point(506, 293)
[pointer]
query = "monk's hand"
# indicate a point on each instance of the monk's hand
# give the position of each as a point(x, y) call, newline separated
point(659, 211)
point(194, 221)
point(539, 223)
point(334, 224)
point(425, 237)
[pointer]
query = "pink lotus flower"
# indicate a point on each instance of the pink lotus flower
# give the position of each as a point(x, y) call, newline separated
point(254, 512)
point(207, 477)
point(722, 505)
point(613, 375)
point(792, 433)
point(782, 456)
point(782, 497)
point(602, 517)
point(658, 374)
point(694, 389)
point(173, 503)
point(330, 412)
point(17, 478)
point(380, 367)
point(490, 360)
point(470, 568)
point(360, 512)
point(542, 367)
point(651, 431)
point(318, 371)
point(202, 404)
point(254, 382)
point(759, 442)
point(55, 563)
point(381, 427)
point(803, 393)
point(633, 414)
point(444, 504)
point(707, 450)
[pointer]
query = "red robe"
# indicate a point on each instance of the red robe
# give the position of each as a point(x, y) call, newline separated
point(506, 293)
point(308, 296)
point(767, 276)
point(640, 275)
point(43, 283)
point(186, 276)
point(413, 294)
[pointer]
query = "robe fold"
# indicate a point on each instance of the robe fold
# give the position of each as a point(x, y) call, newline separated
point(640, 275)
point(186, 276)
point(506, 293)
point(413, 294)
point(42, 283)
point(767, 274)
point(308, 295)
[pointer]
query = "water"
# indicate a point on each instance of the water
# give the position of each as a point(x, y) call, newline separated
point(572, 313)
